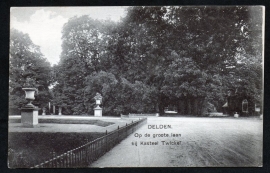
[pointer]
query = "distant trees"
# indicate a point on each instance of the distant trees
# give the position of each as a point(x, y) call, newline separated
point(27, 63)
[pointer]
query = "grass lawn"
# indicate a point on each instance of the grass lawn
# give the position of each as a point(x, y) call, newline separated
point(63, 121)
point(31, 146)
point(28, 148)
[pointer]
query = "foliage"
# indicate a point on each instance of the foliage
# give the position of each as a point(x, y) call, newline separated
point(160, 56)
point(28, 68)
point(116, 93)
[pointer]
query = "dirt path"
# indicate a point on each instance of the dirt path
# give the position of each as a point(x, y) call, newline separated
point(204, 142)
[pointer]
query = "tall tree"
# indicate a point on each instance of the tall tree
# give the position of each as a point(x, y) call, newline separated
point(83, 45)
point(27, 62)
point(216, 39)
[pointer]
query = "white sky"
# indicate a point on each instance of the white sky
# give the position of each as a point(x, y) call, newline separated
point(44, 24)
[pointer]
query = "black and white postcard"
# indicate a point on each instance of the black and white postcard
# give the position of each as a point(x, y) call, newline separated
point(140, 86)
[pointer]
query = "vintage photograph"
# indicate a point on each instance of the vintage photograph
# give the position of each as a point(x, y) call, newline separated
point(136, 86)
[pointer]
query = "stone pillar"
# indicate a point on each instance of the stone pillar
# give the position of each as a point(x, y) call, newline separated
point(49, 108)
point(53, 109)
point(60, 111)
point(98, 111)
point(29, 117)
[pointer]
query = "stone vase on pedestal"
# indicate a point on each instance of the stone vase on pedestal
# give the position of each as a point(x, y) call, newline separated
point(60, 111)
point(29, 113)
point(44, 111)
point(98, 110)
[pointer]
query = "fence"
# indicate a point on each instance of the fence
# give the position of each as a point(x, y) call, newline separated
point(84, 155)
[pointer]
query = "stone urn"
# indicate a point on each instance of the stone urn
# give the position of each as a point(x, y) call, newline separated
point(29, 113)
point(43, 111)
point(60, 110)
point(29, 96)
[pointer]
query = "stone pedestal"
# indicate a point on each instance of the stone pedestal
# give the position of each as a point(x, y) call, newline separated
point(29, 117)
point(98, 111)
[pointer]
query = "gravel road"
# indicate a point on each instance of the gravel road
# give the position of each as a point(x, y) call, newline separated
point(192, 142)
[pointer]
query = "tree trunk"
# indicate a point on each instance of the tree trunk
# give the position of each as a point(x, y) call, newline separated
point(195, 108)
point(185, 106)
point(161, 109)
point(161, 105)
point(181, 106)
point(189, 106)
point(200, 106)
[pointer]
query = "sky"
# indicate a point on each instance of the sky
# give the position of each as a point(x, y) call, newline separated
point(44, 24)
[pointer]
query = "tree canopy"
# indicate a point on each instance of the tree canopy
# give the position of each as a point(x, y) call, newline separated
point(160, 56)
point(27, 63)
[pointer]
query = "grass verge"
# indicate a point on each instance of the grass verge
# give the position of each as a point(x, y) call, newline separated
point(28, 149)
point(61, 121)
